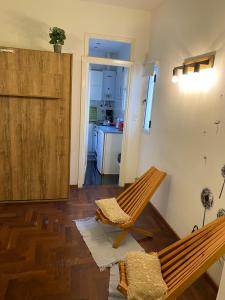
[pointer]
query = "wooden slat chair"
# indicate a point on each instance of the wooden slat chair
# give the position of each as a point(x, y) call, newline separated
point(186, 260)
point(133, 201)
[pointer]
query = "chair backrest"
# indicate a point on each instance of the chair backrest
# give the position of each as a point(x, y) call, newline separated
point(134, 199)
point(186, 260)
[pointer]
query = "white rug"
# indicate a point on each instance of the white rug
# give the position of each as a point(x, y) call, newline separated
point(114, 294)
point(99, 238)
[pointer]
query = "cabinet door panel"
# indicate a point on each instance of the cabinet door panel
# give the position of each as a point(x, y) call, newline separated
point(35, 131)
point(96, 79)
point(112, 147)
point(90, 137)
point(100, 151)
point(22, 84)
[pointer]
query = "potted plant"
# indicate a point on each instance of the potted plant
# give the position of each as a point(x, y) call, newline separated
point(57, 37)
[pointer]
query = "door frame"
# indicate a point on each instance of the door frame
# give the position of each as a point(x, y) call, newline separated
point(84, 113)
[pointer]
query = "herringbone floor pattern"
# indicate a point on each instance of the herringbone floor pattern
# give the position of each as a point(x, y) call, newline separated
point(42, 255)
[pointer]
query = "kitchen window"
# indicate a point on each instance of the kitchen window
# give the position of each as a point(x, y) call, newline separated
point(149, 102)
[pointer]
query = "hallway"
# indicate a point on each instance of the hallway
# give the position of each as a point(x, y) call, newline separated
point(43, 256)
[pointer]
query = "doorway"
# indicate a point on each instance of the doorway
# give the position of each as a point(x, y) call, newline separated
point(107, 103)
point(104, 111)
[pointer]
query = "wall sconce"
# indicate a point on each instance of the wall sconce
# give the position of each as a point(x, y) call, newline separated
point(175, 75)
point(194, 64)
point(195, 74)
point(185, 69)
point(196, 68)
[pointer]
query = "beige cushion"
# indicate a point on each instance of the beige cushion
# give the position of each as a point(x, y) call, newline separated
point(144, 277)
point(111, 209)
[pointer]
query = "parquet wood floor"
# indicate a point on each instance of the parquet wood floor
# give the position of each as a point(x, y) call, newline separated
point(43, 257)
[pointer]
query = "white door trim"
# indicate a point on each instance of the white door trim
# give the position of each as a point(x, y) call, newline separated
point(86, 61)
point(107, 61)
point(83, 117)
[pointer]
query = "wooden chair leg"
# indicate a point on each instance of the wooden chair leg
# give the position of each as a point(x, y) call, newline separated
point(141, 231)
point(121, 236)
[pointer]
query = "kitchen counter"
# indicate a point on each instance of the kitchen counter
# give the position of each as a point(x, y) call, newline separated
point(110, 129)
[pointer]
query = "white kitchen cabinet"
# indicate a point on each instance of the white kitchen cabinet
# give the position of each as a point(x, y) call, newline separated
point(109, 146)
point(96, 85)
point(119, 84)
point(95, 138)
point(100, 150)
point(109, 85)
point(121, 88)
point(90, 137)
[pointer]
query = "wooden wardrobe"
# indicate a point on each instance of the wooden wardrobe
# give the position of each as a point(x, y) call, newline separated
point(35, 100)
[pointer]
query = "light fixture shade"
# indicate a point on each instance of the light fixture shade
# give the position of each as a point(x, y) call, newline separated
point(196, 68)
point(175, 72)
point(175, 79)
point(175, 75)
point(185, 69)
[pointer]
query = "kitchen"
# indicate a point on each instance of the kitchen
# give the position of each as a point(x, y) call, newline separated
point(107, 103)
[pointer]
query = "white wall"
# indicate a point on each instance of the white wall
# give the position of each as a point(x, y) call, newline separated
point(176, 143)
point(26, 23)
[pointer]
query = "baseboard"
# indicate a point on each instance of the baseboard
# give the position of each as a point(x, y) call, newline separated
point(126, 185)
point(207, 276)
point(211, 282)
point(163, 220)
point(73, 186)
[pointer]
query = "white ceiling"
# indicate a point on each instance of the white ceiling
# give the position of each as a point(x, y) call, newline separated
point(138, 4)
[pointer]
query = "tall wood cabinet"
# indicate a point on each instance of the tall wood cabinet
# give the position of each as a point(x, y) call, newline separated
point(35, 97)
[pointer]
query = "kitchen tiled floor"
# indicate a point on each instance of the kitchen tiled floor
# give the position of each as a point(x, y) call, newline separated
point(93, 177)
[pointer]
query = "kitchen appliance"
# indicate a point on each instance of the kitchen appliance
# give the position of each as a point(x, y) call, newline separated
point(109, 115)
point(109, 146)
point(117, 123)
point(106, 123)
